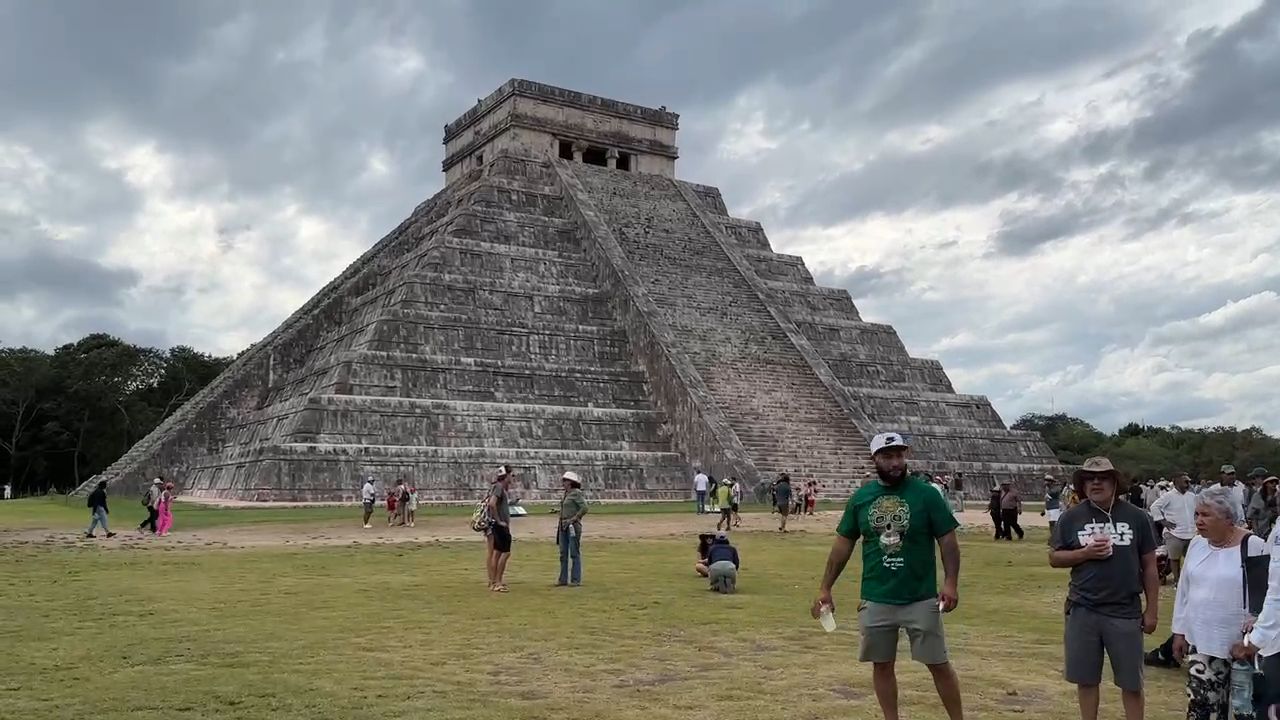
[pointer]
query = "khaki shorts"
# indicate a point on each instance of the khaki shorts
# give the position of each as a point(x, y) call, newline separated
point(1176, 547)
point(882, 624)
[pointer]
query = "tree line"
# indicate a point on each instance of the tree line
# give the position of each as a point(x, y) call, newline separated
point(68, 414)
point(1153, 451)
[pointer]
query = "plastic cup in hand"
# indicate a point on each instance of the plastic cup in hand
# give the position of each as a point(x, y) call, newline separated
point(827, 618)
point(1104, 536)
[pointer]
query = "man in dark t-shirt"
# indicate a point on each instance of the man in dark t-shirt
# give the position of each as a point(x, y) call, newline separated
point(1111, 550)
point(782, 499)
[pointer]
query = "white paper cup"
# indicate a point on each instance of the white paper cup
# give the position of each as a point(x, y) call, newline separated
point(827, 618)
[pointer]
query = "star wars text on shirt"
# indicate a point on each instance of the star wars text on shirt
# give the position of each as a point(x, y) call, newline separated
point(1121, 533)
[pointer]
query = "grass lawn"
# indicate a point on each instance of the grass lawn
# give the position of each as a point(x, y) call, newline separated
point(409, 631)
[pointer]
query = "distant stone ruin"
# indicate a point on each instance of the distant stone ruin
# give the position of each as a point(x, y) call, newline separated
point(563, 304)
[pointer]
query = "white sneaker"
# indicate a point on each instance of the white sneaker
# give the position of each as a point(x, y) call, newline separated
point(367, 526)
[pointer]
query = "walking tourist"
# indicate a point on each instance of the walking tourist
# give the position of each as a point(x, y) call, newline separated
point(724, 501)
point(164, 510)
point(722, 565)
point(573, 505)
point(97, 504)
point(1175, 514)
point(700, 482)
point(993, 509)
point(1223, 585)
point(1227, 479)
point(1261, 513)
point(500, 512)
point(899, 519)
point(149, 500)
point(957, 492)
point(735, 499)
point(1111, 550)
point(412, 514)
point(1010, 509)
point(1052, 503)
point(368, 496)
point(782, 499)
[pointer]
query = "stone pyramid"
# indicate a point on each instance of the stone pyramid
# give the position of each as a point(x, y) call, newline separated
point(565, 303)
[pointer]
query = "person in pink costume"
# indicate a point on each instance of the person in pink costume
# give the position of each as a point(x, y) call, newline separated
point(164, 522)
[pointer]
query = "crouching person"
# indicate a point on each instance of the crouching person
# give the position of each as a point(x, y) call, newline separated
point(722, 564)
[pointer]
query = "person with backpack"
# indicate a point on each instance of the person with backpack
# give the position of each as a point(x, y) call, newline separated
point(150, 500)
point(97, 505)
point(402, 503)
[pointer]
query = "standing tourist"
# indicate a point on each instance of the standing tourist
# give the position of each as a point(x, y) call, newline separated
point(1010, 509)
point(8, 491)
point(735, 499)
point(164, 510)
point(993, 509)
point(500, 512)
point(1052, 503)
point(782, 499)
point(393, 503)
point(724, 500)
point(1223, 584)
point(401, 510)
point(713, 485)
point(486, 521)
point(1109, 546)
point(98, 510)
point(722, 565)
point(573, 505)
point(1261, 512)
point(899, 519)
point(957, 492)
point(1227, 479)
point(700, 491)
point(1175, 514)
point(149, 500)
point(412, 514)
point(368, 496)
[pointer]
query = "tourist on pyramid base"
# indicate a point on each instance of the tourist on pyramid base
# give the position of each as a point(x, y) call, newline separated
point(700, 483)
point(782, 499)
point(393, 505)
point(573, 506)
point(704, 547)
point(1222, 587)
point(97, 505)
point(722, 565)
point(1111, 551)
point(724, 501)
point(1010, 509)
point(899, 520)
point(164, 510)
point(735, 497)
point(368, 496)
point(1052, 503)
point(412, 513)
point(149, 500)
point(993, 509)
point(500, 511)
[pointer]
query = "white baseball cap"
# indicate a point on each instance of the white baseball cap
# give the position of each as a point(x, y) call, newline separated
point(888, 440)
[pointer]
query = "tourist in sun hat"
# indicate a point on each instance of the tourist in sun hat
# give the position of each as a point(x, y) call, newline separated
point(723, 493)
point(499, 536)
point(1227, 479)
point(900, 519)
point(573, 506)
point(1111, 550)
point(722, 564)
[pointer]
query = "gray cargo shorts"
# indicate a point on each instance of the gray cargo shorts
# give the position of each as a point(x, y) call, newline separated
point(723, 577)
point(1087, 634)
point(881, 625)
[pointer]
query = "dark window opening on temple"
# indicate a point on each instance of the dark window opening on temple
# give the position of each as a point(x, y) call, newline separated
point(479, 159)
point(595, 156)
point(566, 150)
point(624, 161)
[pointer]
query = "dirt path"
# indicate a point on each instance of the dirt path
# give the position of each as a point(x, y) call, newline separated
point(446, 529)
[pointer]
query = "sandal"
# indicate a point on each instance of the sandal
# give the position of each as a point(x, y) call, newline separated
point(501, 589)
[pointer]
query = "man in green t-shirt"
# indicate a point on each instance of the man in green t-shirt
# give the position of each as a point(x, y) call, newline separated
point(899, 517)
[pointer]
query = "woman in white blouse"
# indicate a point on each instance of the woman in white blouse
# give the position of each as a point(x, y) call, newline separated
point(1212, 606)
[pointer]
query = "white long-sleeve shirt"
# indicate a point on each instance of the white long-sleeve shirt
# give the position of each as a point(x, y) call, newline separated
point(366, 492)
point(1178, 508)
point(700, 482)
point(1266, 631)
point(1209, 609)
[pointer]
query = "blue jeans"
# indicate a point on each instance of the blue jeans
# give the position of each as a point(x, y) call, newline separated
point(702, 501)
point(99, 518)
point(570, 547)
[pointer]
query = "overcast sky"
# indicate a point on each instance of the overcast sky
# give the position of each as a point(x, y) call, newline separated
point(1070, 204)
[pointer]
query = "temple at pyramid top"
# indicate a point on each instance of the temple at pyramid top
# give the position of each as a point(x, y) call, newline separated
point(532, 119)
point(565, 303)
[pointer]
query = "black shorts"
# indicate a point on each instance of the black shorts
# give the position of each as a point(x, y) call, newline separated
point(726, 511)
point(501, 539)
point(734, 507)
